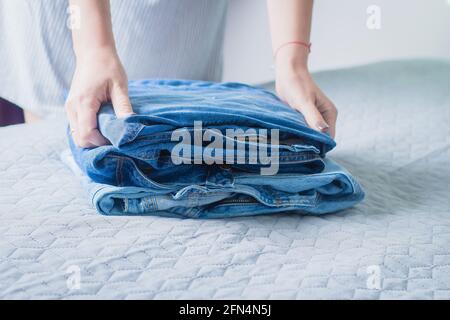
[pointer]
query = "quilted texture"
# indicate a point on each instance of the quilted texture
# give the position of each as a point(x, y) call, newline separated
point(393, 135)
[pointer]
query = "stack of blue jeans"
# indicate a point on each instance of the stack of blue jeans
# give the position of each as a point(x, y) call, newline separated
point(144, 172)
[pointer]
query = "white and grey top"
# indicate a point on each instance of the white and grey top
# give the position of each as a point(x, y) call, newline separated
point(155, 39)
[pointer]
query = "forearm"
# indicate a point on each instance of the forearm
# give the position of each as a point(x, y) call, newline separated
point(95, 27)
point(99, 75)
point(290, 20)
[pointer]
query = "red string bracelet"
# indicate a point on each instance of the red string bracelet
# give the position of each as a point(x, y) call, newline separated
point(300, 43)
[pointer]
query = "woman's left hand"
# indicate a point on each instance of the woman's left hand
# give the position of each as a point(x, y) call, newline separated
point(295, 86)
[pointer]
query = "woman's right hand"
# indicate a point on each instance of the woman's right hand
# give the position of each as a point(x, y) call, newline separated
point(99, 77)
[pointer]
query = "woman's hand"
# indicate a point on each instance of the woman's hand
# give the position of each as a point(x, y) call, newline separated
point(290, 22)
point(295, 86)
point(99, 77)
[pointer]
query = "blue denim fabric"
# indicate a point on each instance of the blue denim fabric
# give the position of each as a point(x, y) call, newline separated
point(135, 175)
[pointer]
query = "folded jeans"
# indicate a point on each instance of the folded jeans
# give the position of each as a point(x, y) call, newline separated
point(137, 174)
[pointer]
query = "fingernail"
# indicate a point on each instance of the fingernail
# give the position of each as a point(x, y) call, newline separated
point(322, 126)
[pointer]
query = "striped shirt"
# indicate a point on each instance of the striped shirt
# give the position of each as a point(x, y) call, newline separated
point(154, 38)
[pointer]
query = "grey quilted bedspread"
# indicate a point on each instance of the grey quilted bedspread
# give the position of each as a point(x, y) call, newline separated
point(393, 135)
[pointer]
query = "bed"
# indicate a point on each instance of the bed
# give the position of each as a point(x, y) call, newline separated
point(393, 135)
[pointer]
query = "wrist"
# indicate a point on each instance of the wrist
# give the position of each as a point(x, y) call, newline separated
point(103, 52)
point(292, 59)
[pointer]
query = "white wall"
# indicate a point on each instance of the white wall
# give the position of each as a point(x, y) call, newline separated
point(340, 36)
